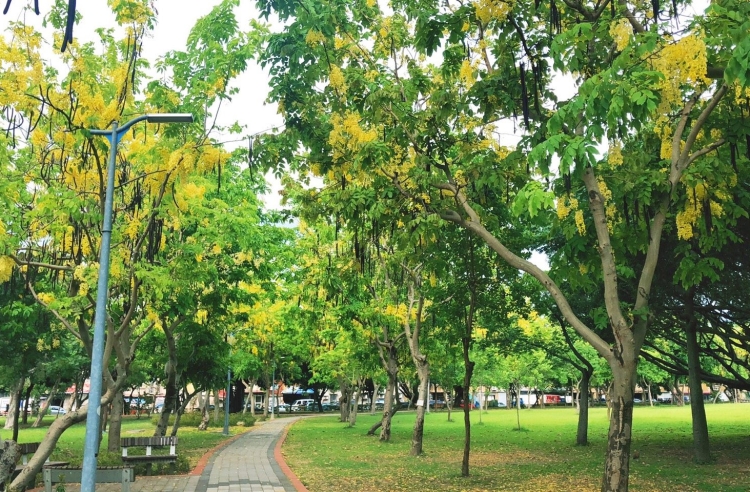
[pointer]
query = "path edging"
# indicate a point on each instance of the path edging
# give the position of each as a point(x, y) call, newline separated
point(290, 475)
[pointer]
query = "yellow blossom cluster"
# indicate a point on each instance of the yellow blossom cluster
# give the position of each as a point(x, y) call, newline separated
point(563, 208)
point(6, 268)
point(682, 62)
point(314, 37)
point(580, 224)
point(688, 217)
point(489, 10)
point(46, 297)
point(336, 80)
point(466, 74)
point(201, 316)
point(614, 156)
point(347, 136)
point(621, 30)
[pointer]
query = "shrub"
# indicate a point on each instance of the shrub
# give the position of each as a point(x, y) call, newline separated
point(193, 419)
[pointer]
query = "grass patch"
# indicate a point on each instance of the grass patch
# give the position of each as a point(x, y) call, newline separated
point(193, 443)
point(541, 458)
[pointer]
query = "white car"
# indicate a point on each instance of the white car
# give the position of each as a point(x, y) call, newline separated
point(301, 405)
point(55, 410)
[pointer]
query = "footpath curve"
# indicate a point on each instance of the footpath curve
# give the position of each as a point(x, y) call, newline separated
point(249, 462)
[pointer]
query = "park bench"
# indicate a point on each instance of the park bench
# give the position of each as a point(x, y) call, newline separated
point(149, 443)
point(108, 474)
point(27, 450)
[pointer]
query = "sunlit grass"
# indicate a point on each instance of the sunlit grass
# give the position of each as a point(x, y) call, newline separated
point(541, 458)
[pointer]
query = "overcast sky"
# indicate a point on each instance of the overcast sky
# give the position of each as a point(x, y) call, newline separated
point(175, 19)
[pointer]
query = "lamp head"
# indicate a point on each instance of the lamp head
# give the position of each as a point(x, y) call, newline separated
point(170, 118)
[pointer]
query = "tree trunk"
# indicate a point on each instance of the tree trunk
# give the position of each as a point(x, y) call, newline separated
point(204, 411)
point(448, 403)
point(518, 405)
point(216, 405)
point(582, 436)
point(45, 406)
point(115, 423)
point(170, 386)
point(181, 410)
point(355, 406)
point(9, 455)
point(25, 414)
point(469, 365)
point(617, 464)
point(423, 371)
point(391, 366)
point(13, 407)
point(344, 402)
point(374, 397)
point(701, 449)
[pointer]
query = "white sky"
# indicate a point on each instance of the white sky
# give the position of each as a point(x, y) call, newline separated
point(175, 20)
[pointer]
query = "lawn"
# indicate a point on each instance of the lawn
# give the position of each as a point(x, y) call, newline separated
point(329, 457)
point(192, 443)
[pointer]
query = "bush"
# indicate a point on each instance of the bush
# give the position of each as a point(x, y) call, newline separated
point(492, 404)
point(193, 419)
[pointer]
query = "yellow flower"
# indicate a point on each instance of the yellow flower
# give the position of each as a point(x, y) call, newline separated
point(337, 80)
point(614, 157)
point(621, 31)
point(313, 37)
point(467, 74)
point(580, 224)
point(6, 268)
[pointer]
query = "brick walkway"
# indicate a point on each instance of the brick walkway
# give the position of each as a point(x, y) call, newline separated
point(245, 465)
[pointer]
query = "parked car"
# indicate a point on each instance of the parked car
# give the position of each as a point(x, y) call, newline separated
point(301, 405)
point(283, 408)
point(55, 410)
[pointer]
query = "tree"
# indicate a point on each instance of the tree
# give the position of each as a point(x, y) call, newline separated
point(370, 109)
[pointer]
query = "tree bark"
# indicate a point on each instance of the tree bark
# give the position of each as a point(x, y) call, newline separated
point(346, 396)
point(617, 464)
point(181, 411)
point(582, 435)
point(355, 406)
point(25, 414)
point(171, 400)
point(9, 455)
point(13, 407)
point(115, 423)
point(374, 397)
point(701, 448)
point(45, 406)
point(423, 371)
point(389, 404)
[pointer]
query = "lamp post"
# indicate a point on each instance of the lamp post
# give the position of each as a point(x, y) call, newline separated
point(91, 443)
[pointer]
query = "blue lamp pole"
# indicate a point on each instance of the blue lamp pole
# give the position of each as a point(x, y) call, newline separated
point(91, 443)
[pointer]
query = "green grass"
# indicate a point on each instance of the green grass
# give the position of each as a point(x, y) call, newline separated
point(542, 457)
point(193, 443)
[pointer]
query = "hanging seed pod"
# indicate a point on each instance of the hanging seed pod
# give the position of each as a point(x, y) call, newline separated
point(707, 215)
point(524, 96)
point(218, 184)
point(554, 18)
point(674, 9)
point(733, 156)
point(566, 181)
point(656, 8)
point(747, 143)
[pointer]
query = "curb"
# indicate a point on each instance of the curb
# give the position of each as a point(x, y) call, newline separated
point(298, 485)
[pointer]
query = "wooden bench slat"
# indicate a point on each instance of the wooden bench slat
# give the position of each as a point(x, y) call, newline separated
point(152, 458)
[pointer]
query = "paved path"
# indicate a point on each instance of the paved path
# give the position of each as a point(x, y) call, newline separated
point(245, 465)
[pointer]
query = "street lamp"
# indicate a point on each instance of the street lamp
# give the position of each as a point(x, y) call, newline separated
point(91, 443)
